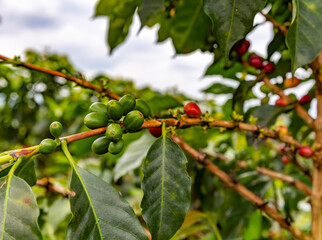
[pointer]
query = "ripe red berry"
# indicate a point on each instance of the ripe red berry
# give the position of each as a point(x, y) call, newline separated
point(290, 82)
point(256, 62)
point(192, 110)
point(285, 159)
point(305, 152)
point(242, 48)
point(155, 132)
point(282, 102)
point(305, 99)
point(268, 67)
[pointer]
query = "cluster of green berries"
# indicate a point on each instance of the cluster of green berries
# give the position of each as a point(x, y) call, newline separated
point(109, 116)
point(49, 145)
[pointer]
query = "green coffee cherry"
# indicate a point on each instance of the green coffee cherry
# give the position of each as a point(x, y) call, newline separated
point(47, 146)
point(56, 129)
point(133, 121)
point(114, 132)
point(95, 120)
point(143, 107)
point(265, 89)
point(128, 103)
point(114, 110)
point(98, 107)
point(265, 100)
point(100, 145)
point(115, 148)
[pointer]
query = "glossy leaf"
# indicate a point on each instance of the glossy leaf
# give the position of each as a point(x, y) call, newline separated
point(304, 35)
point(166, 188)
point(162, 102)
point(25, 170)
point(98, 209)
point(190, 27)
point(133, 156)
point(120, 14)
point(149, 9)
point(267, 114)
point(231, 20)
point(18, 210)
point(218, 88)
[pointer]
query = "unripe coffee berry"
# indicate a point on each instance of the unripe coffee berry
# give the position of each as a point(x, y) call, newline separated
point(47, 146)
point(192, 110)
point(291, 82)
point(56, 129)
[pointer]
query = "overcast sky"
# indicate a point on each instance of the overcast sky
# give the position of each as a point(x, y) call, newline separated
point(67, 27)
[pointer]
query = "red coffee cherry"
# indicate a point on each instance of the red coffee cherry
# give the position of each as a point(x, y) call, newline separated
point(155, 132)
point(285, 159)
point(268, 67)
point(305, 152)
point(192, 110)
point(305, 99)
point(282, 102)
point(242, 48)
point(256, 61)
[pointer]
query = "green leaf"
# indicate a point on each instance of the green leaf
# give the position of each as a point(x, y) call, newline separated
point(304, 35)
point(99, 210)
point(120, 14)
point(231, 20)
point(166, 187)
point(218, 68)
point(218, 88)
point(133, 156)
point(25, 170)
point(149, 9)
point(254, 228)
point(267, 114)
point(18, 210)
point(190, 27)
point(162, 102)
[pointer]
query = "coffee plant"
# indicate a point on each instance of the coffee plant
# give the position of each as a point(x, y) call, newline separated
point(86, 167)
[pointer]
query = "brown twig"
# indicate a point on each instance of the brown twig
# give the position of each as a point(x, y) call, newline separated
point(281, 27)
point(298, 108)
point(285, 178)
point(272, 174)
point(46, 183)
point(316, 199)
point(78, 81)
point(248, 195)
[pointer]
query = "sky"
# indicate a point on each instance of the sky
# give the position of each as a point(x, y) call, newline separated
point(68, 27)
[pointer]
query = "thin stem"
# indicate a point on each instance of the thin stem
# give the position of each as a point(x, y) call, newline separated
point(78, 81)
point(6, 159)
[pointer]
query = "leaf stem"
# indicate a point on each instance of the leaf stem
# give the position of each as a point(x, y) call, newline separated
point(5, 159)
